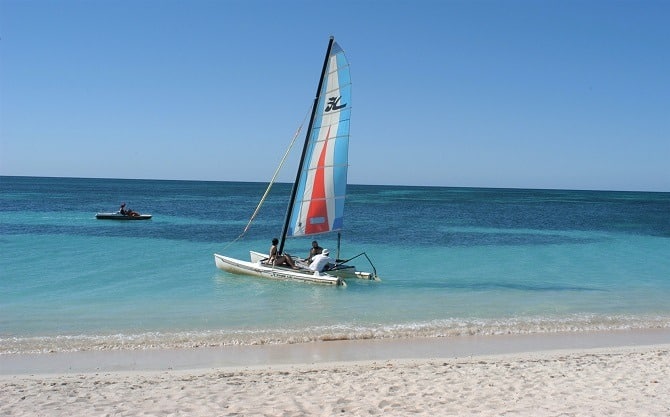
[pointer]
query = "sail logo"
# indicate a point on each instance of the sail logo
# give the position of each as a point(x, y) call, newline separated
point(333, 104)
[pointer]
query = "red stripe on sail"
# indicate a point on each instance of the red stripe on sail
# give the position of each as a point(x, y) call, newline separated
point(317, 207)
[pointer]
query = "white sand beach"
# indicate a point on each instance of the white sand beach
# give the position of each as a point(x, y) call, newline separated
point(588, 381)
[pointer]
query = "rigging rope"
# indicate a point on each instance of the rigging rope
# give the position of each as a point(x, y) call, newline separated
point(272, 181)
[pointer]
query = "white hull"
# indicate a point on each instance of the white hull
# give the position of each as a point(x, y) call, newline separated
point(258, 269)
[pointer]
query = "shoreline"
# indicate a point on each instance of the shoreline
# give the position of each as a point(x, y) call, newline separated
point(323, 352)
point(584, 379)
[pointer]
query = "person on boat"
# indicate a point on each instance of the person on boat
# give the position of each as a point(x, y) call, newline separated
point(277, 259)
point(127, 212)
point(314, 250)
point(321, 261)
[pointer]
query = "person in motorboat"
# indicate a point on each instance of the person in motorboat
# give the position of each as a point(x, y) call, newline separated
point(314, 250)
point(277, 259)
point(321, 262)
point(127, 212)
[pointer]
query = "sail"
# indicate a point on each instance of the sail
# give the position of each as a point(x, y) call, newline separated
point(322, 183)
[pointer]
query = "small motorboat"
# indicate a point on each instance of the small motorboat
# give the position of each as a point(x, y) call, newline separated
point(119, 216)
point(123, 214)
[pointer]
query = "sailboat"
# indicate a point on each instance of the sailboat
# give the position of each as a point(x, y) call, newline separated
point(316, 204)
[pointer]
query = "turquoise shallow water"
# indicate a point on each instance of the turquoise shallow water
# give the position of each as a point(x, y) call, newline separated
point(453, 261)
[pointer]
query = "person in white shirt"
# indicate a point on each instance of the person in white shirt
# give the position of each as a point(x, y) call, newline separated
point(320, 261)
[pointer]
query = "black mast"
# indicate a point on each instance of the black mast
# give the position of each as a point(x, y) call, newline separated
point(294, 190)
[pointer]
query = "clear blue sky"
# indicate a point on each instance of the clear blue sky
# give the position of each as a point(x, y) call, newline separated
point(519, 93)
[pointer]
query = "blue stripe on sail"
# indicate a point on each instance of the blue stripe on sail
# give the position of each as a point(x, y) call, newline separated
point(339, 221)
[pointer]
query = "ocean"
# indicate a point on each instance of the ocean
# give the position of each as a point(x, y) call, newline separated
point(453, 262)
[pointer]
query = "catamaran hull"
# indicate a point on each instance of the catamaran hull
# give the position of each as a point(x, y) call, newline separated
point(344, 271)
point(260, 270)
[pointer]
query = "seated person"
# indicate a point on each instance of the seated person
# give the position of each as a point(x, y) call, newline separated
point(321, 261)
point(315, 250)
point(279, 260)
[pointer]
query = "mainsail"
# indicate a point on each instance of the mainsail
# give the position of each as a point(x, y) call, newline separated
point(318, 206)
